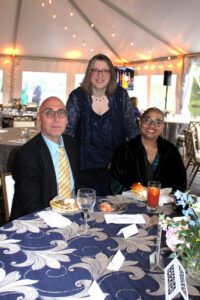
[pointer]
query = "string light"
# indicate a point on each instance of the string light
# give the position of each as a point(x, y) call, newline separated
point(132, 44)
point(65, 27)
point(84, 43)
point(50, 1)
point(92, 25)
point(42, 4)
point(113, 34)
point(71, 13)
point(91, 49)
point(74, 35)
point(54, 16)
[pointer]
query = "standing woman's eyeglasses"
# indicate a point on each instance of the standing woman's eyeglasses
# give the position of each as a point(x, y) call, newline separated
point(103, 72)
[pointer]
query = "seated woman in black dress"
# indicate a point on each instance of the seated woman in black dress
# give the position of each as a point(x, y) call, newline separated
point(148, 157)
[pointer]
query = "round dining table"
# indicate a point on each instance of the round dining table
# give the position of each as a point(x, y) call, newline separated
point(10, 140)
point(39, 261)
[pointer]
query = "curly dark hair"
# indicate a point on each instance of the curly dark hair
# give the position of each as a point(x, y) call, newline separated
point(86, 83)
point(153, 109)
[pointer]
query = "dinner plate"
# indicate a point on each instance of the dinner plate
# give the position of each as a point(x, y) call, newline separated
point(112, 207)
point(64, 206)
point(131, 194)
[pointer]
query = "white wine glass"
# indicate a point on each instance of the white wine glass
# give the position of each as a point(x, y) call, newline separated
point(86, 199)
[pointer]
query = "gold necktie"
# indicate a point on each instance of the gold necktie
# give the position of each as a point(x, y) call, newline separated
point(64, 175)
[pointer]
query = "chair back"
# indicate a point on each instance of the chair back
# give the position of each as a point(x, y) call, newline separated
point(23, 121)
point(189, 143)
point(193, 126)
point(8, 193)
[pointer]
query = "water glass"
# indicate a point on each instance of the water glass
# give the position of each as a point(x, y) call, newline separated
point(86, 199)
point(24, 134)
point(153, 194)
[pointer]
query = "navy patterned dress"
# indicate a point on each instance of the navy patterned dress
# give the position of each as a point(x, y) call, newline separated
point(98, 136)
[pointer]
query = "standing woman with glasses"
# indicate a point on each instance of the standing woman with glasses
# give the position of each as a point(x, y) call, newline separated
point(148, 157)
point(101, 117)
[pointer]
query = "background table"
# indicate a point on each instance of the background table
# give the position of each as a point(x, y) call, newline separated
point(10, 140)
point(39, 262)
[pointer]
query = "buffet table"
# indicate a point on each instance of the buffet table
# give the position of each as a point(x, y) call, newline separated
point(42, 262)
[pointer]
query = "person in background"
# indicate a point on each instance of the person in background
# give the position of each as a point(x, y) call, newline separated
point(24, 96)
point(36, 98)
point(134, 101)
point(148, 157)
point(101, 117)
point(35, 164)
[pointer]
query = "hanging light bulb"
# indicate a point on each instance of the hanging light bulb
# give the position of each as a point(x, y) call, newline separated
point(84, 43)
point(71, 13)
point(74, 35)
point(65, 27)
point(54, 16)
point(132, 44)
point(42, 4)
point(113, 34)
point(50, 1)
point(92, 25)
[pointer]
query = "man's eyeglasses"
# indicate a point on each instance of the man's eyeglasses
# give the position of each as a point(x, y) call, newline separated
point(100, 71)
point(50, 113)
point(148, 121)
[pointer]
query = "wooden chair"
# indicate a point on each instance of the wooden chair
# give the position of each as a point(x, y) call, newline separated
point(192, 153)
point(180, 142)
point(8, 192)
point(23, 121)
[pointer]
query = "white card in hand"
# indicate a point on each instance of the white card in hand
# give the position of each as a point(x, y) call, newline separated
point(116, 262)
point(128, 230)
point(95, 292)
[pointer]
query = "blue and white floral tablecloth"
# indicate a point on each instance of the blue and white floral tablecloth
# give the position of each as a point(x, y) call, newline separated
point(39, 262)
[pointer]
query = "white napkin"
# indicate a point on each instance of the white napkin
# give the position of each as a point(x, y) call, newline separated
point(124, 219)
point(164, 196)
point(54, 219)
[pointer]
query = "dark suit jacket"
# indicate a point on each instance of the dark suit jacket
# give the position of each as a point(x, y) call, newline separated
point(34, 175)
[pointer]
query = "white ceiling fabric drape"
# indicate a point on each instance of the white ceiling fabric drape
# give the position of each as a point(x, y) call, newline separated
point(188, 74)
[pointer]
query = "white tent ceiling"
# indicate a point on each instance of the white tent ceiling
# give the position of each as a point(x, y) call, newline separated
point(157, 28)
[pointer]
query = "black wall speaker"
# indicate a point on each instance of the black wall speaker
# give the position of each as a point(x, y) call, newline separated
point(167, 78)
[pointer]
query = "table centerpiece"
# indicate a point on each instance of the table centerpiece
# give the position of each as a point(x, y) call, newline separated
point(183, 232)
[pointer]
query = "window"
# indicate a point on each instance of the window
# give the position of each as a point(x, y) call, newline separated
point(1, 86)
point(37, 86)
point(194, 103)
point(158, 93)
point(78, 79)
point(140, 91)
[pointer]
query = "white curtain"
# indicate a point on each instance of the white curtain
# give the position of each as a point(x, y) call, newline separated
point(189, 66)
point(12, 82)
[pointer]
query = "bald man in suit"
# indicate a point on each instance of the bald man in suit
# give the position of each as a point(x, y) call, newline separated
point(35, 164)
